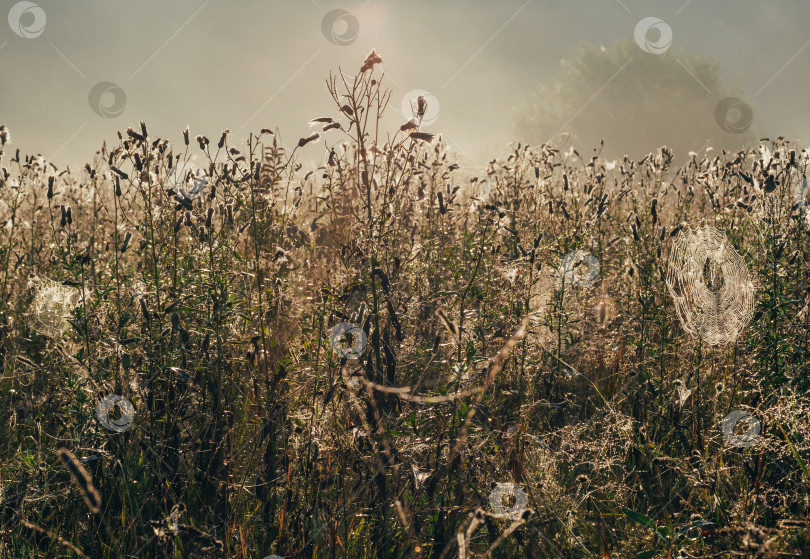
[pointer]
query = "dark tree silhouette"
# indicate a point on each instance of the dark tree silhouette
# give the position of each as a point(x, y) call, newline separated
point(636, 101)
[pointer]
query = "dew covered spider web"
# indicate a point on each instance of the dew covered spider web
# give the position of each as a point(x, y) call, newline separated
point(710, 285)
point(508, 499)
point(51, 306)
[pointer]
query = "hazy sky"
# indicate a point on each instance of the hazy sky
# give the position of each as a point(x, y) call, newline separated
point(247, 65)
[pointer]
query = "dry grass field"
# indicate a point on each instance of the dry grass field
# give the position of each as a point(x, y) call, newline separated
point(393, 356)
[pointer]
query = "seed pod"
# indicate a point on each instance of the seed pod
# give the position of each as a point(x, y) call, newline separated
point(184, 337)
point(185, 135)
point(50, 187)
point(421, 106)
point(132, 134)
point(601, 210)
point(178, 224)
point(81, 478)
point(654, 211)
point(424, 136)
point(118, 186)
point(769, 185)
point(118, 172)
point(744, 206)
point(125, 244)
point(208, 218)
point(173, 305)
point(312, 138)
point(175, 321)
point(183, 202)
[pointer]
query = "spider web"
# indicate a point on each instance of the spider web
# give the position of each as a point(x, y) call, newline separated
point(710, 285)
point(50, 309)
point(500, 496)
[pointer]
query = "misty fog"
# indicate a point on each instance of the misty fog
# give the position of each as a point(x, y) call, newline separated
point(497, 71)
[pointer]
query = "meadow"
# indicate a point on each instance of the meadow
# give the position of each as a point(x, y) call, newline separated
point(394, 356)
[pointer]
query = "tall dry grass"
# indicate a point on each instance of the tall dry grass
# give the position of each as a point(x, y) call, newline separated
point(209, 302)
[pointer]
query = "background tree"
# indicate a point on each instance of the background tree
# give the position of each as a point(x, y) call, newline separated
point(636, 101)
